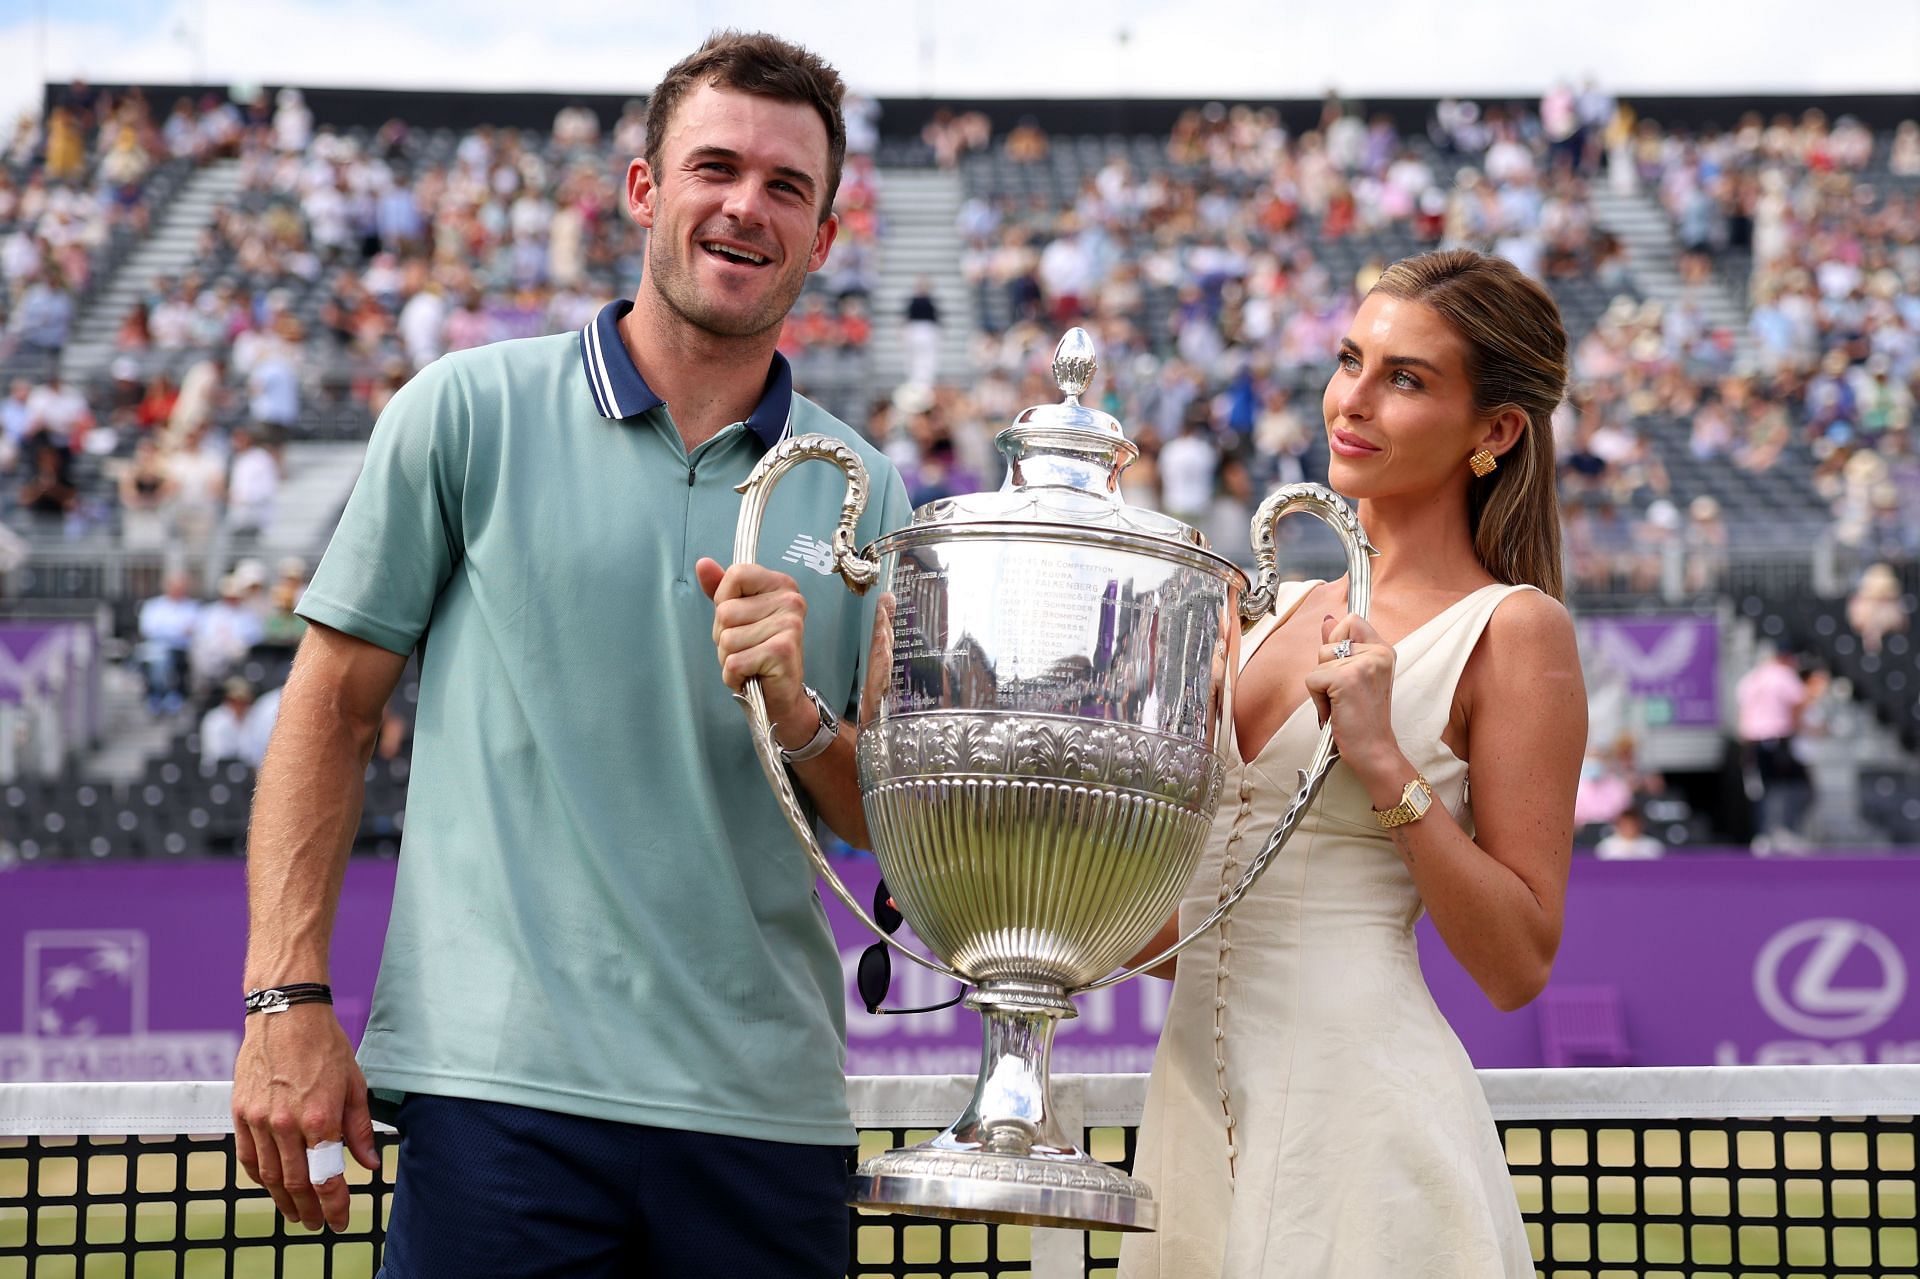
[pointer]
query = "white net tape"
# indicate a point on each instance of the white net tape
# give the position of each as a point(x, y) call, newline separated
point(932, 1101)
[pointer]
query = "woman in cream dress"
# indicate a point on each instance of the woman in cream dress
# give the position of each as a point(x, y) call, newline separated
point(1311, 1115)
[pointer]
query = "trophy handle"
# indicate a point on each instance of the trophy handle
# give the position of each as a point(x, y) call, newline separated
point(859, 573)
point(1331, 508)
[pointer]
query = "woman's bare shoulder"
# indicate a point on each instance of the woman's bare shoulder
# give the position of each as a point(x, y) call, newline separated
point(1533, 621)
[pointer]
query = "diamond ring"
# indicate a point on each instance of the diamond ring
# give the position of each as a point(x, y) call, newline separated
point(1343, 649)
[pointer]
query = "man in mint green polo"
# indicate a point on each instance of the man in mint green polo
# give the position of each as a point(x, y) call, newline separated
point(609, 1005)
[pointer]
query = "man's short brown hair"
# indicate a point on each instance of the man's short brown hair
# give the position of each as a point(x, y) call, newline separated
point(763, 65)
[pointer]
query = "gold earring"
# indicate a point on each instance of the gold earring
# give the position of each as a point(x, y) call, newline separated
point(1483, 463)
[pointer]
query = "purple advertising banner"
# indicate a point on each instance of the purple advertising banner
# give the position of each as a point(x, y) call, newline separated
point(1114, 1033)
point(1670, 665)
point(59, 659)
point(132, 971)
point(33, 657)
point(1717, 961)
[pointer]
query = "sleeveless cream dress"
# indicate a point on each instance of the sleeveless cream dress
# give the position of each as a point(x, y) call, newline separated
point(1311, 1115)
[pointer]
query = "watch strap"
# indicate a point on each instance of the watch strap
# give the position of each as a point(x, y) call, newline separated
point(1407, 810)
point(822, 736)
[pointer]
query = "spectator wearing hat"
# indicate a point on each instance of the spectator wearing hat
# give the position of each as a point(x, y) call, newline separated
point(223, 728)
point(283, 627)
point(254, 578)
point(222, 633)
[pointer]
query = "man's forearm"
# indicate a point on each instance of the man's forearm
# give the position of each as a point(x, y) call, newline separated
point(305, 813)
point(832, 782)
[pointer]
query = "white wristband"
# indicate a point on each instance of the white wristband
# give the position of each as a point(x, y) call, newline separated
point(326, 1161)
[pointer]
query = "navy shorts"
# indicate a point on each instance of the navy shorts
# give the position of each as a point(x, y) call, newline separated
point(488, 1190)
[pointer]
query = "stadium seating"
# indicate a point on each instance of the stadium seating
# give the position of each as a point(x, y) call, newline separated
point(1184, 220)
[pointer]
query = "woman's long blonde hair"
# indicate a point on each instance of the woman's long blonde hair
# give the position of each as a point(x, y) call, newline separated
point(1516, 357)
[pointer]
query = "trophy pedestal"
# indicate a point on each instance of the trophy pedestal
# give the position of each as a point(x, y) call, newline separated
point(1006, 1157)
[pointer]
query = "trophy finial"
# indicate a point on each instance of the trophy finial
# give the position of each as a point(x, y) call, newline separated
point(1074, 363)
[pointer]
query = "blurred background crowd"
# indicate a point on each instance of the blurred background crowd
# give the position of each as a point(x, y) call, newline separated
point(206, 301)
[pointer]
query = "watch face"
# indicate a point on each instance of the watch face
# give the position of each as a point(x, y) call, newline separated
point(1419, 798)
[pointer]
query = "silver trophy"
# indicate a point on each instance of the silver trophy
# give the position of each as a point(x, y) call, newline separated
point(1042, 739)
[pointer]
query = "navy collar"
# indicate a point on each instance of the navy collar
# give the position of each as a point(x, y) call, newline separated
point(620, 392)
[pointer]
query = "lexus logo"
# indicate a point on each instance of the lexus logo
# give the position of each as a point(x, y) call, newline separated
point(1794, 977)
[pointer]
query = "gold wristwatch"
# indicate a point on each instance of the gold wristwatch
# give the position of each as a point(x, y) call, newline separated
point(1415, 800)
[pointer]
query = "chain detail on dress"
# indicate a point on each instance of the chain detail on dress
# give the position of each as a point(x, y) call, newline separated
point(1222, 974)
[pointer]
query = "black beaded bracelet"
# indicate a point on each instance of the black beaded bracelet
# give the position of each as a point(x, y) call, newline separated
point(277, 999)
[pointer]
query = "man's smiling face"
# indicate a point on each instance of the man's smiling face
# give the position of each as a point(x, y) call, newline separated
point(733, 212)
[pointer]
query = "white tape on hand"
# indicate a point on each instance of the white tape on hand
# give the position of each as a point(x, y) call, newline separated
point(326, 1161)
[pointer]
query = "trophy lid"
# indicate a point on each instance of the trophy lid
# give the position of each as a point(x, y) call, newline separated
point(1064, 463)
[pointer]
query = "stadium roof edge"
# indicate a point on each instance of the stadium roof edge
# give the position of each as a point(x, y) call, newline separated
point(902, 117)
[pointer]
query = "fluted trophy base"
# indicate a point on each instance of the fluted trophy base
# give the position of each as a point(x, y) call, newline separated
point(1072, 1191)
point(1006, 1158)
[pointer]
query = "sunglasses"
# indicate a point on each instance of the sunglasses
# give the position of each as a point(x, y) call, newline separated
point(875, 973)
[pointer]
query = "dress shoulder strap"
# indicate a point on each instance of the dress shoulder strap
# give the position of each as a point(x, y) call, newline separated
point(1444, 658)
point(1287, 598)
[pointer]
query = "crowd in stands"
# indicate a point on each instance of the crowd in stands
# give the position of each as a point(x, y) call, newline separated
point(1817, 225)
point(1216, 267)
point(346, 261)
point(373, 256)
point(170, 477)
point(133, 453)
point(76, 186)
point(187, 647)
point(1216, 271)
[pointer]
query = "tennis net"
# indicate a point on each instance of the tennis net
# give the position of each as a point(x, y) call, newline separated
point(1647, 1172)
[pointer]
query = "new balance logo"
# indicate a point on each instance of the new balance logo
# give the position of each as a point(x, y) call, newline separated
point(811, 552)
